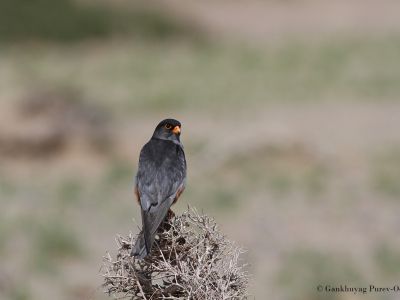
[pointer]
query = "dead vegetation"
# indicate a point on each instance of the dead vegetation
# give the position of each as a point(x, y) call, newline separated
point(46, 122)
point(190, 260)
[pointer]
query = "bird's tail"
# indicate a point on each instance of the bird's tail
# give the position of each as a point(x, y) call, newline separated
point(151, 220)
point(139, 250)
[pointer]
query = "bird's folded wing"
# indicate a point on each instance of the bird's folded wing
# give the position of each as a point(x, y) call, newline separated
point(158, 180)
point(152, 219)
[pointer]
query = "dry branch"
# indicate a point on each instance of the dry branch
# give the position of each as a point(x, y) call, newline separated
point(190, 259)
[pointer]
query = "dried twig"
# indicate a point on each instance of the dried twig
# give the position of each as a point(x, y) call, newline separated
point(191, 259)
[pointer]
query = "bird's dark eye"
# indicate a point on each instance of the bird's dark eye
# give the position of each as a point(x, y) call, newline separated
point(168, 126)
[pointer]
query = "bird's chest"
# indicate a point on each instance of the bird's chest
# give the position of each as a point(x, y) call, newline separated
point(165, 158)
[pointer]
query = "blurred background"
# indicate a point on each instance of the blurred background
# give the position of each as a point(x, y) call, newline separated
point(291, 118)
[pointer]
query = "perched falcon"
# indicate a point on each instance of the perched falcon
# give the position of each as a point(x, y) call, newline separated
point(160, 180)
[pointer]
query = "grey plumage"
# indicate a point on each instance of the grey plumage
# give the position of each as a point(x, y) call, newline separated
point(159, 181)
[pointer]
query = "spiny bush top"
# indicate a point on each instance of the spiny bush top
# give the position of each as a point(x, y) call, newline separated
point(190, 259)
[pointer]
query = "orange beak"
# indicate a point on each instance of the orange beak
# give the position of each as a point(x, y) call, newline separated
point(176, 130)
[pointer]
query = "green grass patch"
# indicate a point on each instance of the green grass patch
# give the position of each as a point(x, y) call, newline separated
point(7, 187)
point(4, 234)
point(69, 191)
point(20, 294)
point(223, 199)
point(213, 195)
point(118, 172)
point(387, 259)
point(184, 76)
point(316, 180)
point(55, 241)
point(280, 183)
point(385, 173)
point(303, 270)
point(280, 169)
point(71, 21)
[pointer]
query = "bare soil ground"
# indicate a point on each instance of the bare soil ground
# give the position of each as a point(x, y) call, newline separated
point(266, 20)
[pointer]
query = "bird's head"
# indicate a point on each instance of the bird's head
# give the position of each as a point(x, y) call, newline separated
point(168, 129)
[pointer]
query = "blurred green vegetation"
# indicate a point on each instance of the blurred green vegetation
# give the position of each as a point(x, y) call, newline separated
point(385, 169)
point(55, 240)
point(281, 170)
point(7, 187)
point(303, 270)
point(387, 258)
point(71, 21)
point(70, 191)
point(19, 293)
point(118, 172)
point(4, 234)
point(181, 76)
point(223, 200)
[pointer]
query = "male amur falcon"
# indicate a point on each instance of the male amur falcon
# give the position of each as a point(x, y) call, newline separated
point(160, 180)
